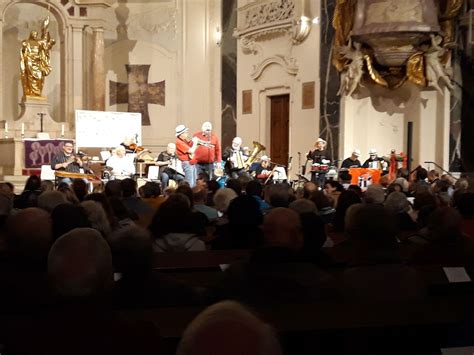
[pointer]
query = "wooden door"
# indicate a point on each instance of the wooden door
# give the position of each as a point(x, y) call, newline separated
point(280, 128)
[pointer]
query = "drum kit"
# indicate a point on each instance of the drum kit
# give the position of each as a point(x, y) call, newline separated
point(331, 171)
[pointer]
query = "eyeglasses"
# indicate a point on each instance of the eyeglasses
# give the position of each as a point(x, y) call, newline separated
point(68, 146)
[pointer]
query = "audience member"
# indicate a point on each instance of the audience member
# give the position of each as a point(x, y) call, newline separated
point(465, 207)
point(175, 228)
point(235, 185)
point(228, 328)
point(324, 206)
point(81, 275)
point(278, 195)
point(29, 196)
point(151, 194)
point(374, 195)
point(303, 205)
point(97, 217)
point(66, 217)
point(243, 229)
point(29, 237)
point(66, 190)
point(276, 272)
point(200, 199)
point(397, 204)
point(255, 189)
point(138, 286)
point(444, 242)
point(135, 204)
point(80, 189)
point(377, 272)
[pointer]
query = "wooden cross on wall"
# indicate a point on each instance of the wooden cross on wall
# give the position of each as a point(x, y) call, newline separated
point(138, 92)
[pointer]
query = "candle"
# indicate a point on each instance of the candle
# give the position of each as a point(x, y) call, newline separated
point(22, 129)
point(62, 130)
point(6, 127)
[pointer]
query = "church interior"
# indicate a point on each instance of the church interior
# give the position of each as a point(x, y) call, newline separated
point(236, 176)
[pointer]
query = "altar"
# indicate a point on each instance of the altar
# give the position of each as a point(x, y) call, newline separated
point(19, 155)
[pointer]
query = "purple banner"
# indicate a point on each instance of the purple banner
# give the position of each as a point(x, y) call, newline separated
point(40, 151)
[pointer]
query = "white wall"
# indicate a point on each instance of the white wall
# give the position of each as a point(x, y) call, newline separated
point(177, 38)
point(378, 118)
point(275, 80)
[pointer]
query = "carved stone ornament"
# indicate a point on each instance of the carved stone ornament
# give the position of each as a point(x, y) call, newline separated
point(262, 15)
point(287, 63)
point(400, 40)
point(263, 19)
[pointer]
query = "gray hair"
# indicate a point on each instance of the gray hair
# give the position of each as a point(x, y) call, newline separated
point(80, 264)
point(374, 194)
point(222, 199)
point(50, 199)
point(303, 205)
point(397, 202)
point(97, 217)
point(225, 317)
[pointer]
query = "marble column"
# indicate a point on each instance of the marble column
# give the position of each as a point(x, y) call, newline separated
point(77, 84)
point(1, 66)
point(97, 85)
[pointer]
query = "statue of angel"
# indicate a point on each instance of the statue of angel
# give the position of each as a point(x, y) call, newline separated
point(353, 70)
point(435, 70)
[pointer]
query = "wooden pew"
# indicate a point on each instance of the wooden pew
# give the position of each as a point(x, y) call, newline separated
point(194, 260)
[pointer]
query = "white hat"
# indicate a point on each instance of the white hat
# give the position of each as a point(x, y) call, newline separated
point(206, 126)
point(372, 151)
point(264, 158)
point(356, 152)
point(180, 129)
point(320, 140)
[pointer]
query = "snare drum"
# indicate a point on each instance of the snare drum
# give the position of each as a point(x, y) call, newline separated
point(319, 168)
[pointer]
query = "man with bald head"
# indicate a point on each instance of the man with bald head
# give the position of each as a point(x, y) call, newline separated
point(228, 328)
point(276, 272)
point(80, 264)
point(282, 228)
point(29, 237)
point(80, 273)
point(170, 166)
point(208, 151)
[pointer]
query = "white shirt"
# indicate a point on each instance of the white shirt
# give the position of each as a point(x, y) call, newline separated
point(121, 166)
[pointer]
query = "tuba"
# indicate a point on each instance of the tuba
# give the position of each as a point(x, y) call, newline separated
point(257, 148)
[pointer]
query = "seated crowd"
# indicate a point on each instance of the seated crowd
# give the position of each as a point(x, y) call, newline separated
point(74, 259)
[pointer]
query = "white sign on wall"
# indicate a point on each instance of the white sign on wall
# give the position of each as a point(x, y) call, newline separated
point(106, 129)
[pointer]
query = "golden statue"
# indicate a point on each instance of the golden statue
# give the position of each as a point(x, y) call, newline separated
point(35, 63)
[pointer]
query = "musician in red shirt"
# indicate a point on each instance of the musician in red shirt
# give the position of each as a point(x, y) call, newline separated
point(208, 151)
point(185, 148)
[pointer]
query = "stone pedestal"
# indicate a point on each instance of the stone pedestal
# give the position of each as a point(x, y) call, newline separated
point(29, 123)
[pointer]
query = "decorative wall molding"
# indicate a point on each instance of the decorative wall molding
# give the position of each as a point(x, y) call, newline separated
point(162, 19)
point(267, 20)
point(288, 63)
point(261, 15)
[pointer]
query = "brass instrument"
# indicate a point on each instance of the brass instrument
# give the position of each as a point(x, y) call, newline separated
point(257, 148)
point(204, 143)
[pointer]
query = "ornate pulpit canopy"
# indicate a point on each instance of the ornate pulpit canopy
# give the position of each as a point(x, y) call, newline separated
point(390, 42)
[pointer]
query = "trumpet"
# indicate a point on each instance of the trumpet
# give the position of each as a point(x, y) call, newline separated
point(204, 143)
